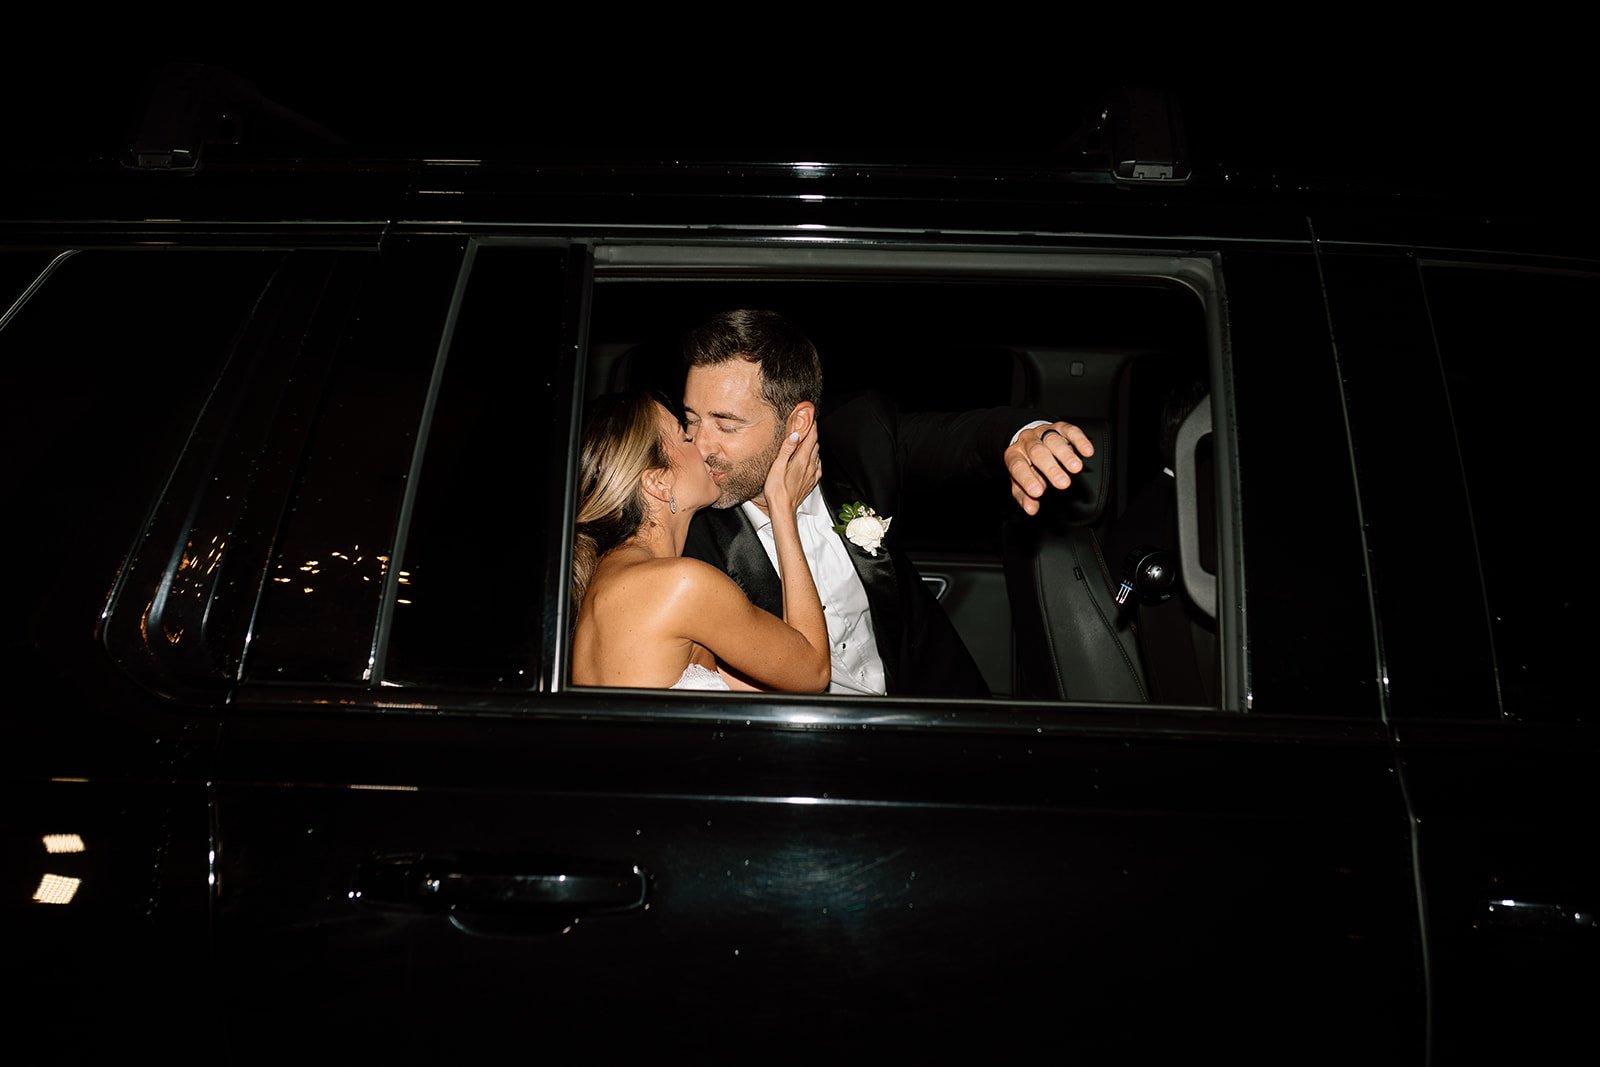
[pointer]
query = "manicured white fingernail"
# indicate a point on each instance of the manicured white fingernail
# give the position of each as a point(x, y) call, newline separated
point(794, 437)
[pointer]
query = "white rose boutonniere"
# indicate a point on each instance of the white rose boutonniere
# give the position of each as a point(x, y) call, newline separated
point(863, 527)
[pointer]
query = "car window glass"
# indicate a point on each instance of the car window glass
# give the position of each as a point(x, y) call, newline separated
point(318, 612)
point(1438, 659)
point(470, 594)
point(109, 363)
point(1521, 378)
point(109, 317)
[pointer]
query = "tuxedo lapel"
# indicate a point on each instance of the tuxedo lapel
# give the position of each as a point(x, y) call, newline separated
point(739, 548)
point(877, 574)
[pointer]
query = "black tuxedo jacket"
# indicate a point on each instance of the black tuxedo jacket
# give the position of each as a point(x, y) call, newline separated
point(872, 453)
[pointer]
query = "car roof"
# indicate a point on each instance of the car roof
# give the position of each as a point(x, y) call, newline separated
point(280, 142)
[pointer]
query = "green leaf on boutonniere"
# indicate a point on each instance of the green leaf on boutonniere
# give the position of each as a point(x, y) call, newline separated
point(848, 512)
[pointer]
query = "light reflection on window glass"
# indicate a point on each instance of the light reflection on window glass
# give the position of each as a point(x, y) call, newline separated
point(63, 843)
point(56, 889)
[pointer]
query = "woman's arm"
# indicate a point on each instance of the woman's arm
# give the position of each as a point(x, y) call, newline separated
point(794, 474)
point(791, 653)
point(706, 607)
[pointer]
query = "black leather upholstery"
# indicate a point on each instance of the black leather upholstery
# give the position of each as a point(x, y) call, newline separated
point(1073, 641)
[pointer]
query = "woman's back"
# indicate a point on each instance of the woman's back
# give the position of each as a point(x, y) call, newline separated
point(631, 630)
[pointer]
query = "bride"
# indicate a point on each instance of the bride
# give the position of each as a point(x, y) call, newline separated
point(647, 616)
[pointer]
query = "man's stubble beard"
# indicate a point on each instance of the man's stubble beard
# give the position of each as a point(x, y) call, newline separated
point(746, 480)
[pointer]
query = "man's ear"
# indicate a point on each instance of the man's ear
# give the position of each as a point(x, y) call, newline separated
point(801, 418)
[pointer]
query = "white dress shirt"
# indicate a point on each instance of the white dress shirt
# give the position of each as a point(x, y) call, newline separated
point(852, 643)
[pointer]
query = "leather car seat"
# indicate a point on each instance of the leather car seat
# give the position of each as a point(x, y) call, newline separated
point(1072, 640)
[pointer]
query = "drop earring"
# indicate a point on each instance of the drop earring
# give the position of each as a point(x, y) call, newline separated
point(673, 503)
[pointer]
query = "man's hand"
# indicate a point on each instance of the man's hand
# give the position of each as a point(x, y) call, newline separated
point(1045, 455)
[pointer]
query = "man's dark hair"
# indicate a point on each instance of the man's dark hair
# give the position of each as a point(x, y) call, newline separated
point(791, 372)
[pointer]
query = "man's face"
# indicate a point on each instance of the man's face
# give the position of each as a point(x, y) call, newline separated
point(737, 432)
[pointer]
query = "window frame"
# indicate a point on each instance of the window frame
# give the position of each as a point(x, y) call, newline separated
point(746, 260)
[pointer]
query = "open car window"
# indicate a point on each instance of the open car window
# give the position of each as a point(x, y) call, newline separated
point(1034, 600)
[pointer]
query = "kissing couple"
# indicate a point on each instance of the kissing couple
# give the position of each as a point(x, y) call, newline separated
point(736, 542)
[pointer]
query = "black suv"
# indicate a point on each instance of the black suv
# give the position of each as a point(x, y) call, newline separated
point(297, 769)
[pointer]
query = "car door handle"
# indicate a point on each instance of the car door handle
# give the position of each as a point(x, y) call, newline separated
point(462, 885)
point(1510, 914)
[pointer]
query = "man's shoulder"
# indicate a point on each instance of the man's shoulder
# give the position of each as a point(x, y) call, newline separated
point(861, 409)
point(863, 425)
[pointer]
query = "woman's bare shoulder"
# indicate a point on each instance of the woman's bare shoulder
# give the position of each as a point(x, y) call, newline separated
point(666, 580)
point(693, 577)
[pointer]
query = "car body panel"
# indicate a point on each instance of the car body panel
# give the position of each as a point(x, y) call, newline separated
point(1301, 871)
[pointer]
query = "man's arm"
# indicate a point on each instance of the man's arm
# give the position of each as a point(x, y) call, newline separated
point(1033, 450)
point(938, 449)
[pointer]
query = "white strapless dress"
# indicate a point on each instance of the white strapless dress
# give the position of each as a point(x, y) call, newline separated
point(697, 677)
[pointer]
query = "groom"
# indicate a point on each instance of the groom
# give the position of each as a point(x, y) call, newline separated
point(752, 379)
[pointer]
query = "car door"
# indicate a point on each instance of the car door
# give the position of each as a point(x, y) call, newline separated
point(1467, 384)
point(427, 842)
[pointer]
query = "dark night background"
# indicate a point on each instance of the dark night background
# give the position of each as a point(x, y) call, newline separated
point(1458, 120)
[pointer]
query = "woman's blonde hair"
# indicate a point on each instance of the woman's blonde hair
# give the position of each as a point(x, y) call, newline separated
point(621, 441)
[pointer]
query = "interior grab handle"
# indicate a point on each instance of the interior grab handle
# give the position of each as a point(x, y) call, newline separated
point(1200, 584)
